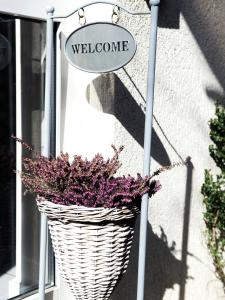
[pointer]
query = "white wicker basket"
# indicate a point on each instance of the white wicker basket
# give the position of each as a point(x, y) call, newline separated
point(91, 245)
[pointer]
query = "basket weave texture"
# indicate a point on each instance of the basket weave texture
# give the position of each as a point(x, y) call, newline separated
point(91, 246)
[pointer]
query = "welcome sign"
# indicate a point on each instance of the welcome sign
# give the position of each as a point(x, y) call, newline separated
point(100, 47)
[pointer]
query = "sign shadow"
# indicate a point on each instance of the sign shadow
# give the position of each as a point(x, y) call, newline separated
point(112, 97)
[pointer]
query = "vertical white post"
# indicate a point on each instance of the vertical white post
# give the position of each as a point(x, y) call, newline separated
point(58, 91)
point(46, 145)
point(15, 287)
point(147, 145)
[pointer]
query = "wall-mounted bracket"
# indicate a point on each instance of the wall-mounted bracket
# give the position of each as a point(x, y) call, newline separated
point(122, 7)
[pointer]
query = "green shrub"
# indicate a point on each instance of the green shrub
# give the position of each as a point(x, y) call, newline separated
point(213, 191)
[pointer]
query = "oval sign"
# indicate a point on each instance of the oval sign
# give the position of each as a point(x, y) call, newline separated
point(100, 47)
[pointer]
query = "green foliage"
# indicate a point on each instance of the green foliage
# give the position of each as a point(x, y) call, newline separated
point(213, 191)
point(217, 134)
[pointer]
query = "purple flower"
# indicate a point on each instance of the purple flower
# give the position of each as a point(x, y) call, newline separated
point(82, 182)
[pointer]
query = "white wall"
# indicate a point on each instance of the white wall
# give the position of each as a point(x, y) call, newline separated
point(83, 128)
point(35, 9)
point(189, 77)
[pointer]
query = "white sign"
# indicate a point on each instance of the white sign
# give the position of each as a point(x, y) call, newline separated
point(100, 47)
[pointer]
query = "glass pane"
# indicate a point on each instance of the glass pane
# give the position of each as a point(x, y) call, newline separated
point(7, 155)
point(19, 245)
point(32, 82)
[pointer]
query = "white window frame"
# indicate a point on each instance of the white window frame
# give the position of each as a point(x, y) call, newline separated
point(15, 284)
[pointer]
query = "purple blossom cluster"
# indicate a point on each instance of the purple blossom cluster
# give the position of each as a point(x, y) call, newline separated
point(91, 183)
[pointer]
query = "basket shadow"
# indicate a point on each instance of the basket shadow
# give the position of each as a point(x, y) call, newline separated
point(163, 269)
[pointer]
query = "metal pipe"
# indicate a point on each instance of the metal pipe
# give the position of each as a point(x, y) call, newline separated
point(147, 145)
point(104, 2)
point(46, 144)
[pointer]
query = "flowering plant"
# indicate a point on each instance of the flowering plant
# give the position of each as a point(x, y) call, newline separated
point(90, 183)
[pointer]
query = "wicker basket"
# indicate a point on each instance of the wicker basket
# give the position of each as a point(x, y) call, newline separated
point(91, 245)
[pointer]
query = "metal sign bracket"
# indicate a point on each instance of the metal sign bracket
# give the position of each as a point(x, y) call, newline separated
point(154, 4)
point(122, 7)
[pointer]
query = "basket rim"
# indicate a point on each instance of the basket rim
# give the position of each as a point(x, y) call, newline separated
point(85, 214)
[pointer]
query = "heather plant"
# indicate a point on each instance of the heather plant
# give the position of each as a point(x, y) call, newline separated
point(90, 183)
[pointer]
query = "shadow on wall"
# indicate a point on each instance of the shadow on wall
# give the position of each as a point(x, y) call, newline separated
point(163, 269)
point(206, 21)
point(216, 96)
point(169, 14)
point(185, 233)
point(109, 95)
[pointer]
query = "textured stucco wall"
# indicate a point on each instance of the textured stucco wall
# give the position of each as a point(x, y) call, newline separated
point(99, 110)
point(189, 78)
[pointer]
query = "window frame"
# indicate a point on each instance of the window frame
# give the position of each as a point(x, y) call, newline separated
point(14, 284)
